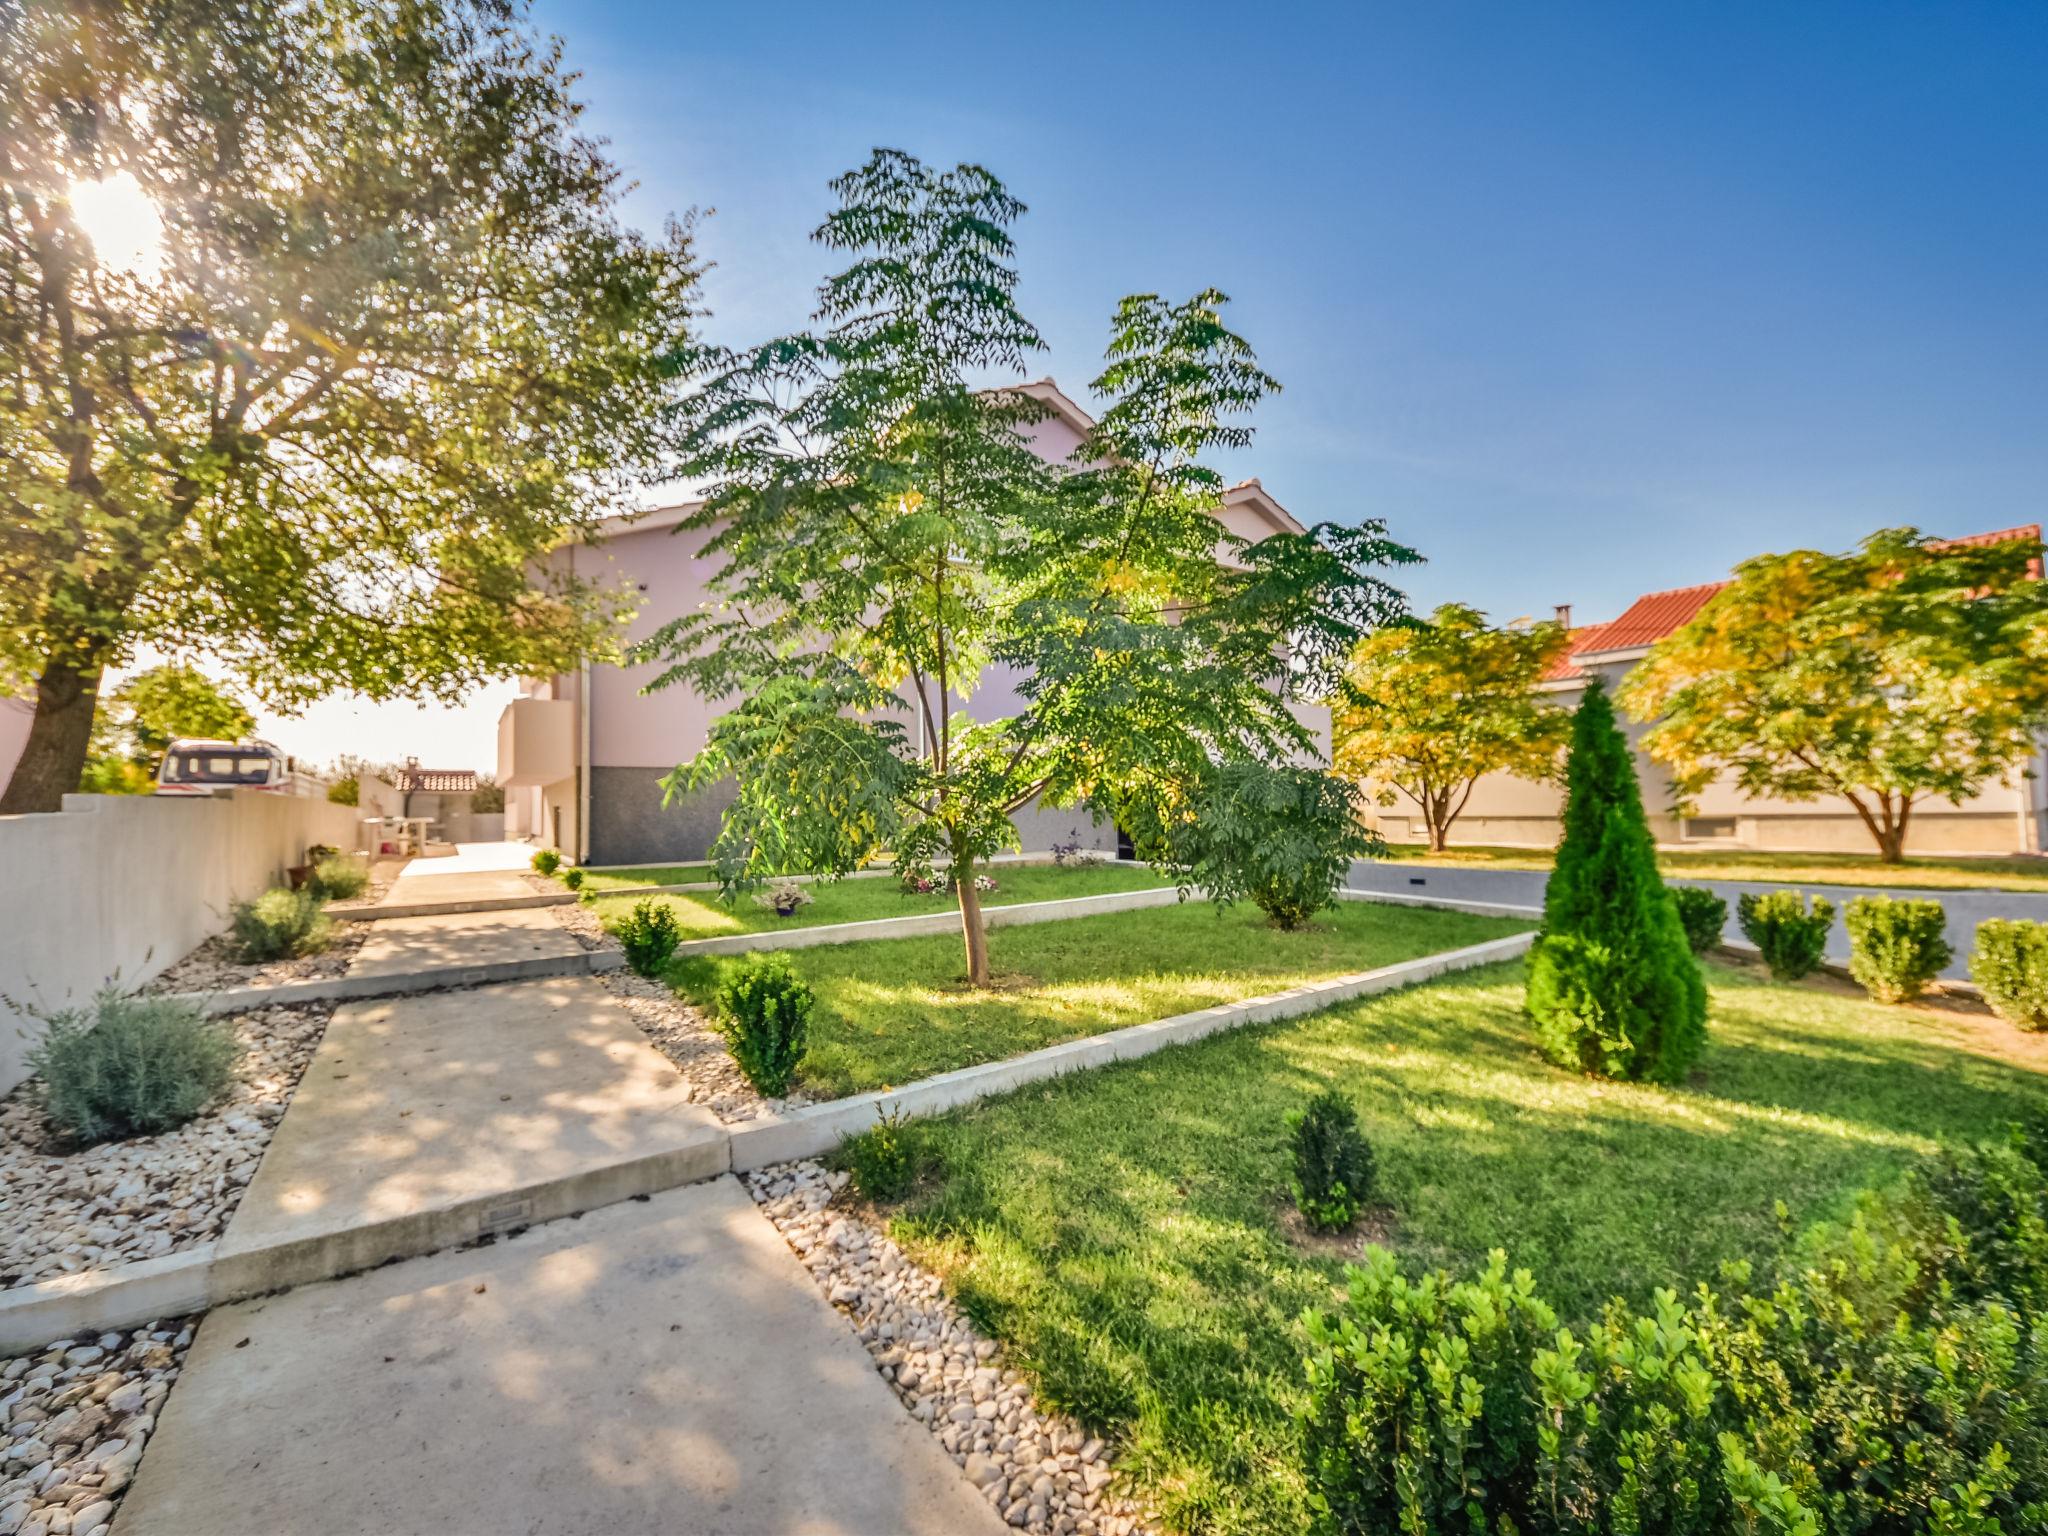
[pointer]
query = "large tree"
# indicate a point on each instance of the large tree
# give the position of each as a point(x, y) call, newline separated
point(888, 537)
point(1430, 708)
point(316, 328)
point(1910, 669)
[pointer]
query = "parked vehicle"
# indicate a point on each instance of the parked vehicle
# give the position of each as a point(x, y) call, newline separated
point(194, 766)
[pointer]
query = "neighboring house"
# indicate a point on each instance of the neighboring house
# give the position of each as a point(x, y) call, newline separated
point(16, 716)
point(580, 754)
point(442, 795)
point(2011, 817)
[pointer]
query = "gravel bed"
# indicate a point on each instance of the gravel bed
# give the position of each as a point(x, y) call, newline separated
point(76, 1418)
point(1041, 1473)
point(212, 968)
point(63, 1211)
point(585, 924)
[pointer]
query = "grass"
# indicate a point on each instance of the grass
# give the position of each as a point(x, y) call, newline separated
point(1125, 1231)
point(1921, 873)
point(894, 1011)
point(627, 879)
point(853, 901)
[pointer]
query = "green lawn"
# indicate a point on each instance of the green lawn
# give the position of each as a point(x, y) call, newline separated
point(1951, 874)
point(1122, 1229)
point(892, 1012)
point(707, 915)
point(624, 879)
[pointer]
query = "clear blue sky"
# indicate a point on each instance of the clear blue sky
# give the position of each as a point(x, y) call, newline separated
point(1584, 299)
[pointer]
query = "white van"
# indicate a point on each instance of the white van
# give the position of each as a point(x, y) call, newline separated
point(193, 766)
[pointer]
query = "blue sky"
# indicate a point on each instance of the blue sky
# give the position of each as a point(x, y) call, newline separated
point(1584, 299)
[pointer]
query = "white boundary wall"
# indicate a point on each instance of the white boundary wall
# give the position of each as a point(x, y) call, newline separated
point(131, 884)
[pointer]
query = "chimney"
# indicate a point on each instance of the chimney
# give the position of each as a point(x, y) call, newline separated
point(1564, 614)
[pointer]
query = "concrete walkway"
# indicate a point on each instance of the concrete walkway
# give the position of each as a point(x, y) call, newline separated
point(656, 1367)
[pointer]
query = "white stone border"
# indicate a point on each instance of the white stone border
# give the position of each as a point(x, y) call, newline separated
point(699, 887)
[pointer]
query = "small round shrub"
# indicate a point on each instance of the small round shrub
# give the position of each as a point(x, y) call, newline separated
point(573, 878)
point(1332, 1165)
point(649, 935)
point(1704, 915)
point(278, 925)
point(1791, 937)
point(546, 861)
point(880, 1160)
point(764, 1012)
point(131, 1065)
point(2010, 965)
point(1896, 947)
point(338, 878)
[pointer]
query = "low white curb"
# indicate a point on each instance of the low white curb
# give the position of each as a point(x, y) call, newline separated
point(1479, 908)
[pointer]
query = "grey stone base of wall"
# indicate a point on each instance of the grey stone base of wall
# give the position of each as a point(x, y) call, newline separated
point(630, 825)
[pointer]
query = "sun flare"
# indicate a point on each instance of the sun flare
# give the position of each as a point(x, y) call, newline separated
point(126, 232)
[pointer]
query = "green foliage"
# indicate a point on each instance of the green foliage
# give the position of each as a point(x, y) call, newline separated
point(278, 925)
point(397, 347)
point(131, 1065)
point(764, 1012)
point(882, 1159)
point(2010, 964)
point(1907, 670)
point(488, 798)
point(1791, 937)
point(114, 776)
point(573, 878)
point(1283, 838)
point(1896, 946)
point(145, 714)
point(1895, 1377)
point(1332, 1172)
point(346, 791)
point(649, 935)
point(1430, 708)
point(338, 878)
point(1613, 985)
point(1702, 914)
point(546, 861)
point(885, 532)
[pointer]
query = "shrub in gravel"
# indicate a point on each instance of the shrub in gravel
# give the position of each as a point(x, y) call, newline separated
point(278, 925)
point(649, 935)
point(1896, 947)
point(880, 1160)
point(547, 861)
point(1703, 914)
point(1333, 1165)
point(1791, 936)
point(131, 1065)
point(573, 878)
point(764, 1012)
point(2010, 964)
point(338, 878)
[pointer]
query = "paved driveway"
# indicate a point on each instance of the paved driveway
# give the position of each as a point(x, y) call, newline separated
point(1524, 887)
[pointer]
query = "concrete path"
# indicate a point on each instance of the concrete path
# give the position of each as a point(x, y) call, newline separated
point(474, 872)
point(658, 1367)
point(416, 1109)
point(400, 945)
point(1524, 887)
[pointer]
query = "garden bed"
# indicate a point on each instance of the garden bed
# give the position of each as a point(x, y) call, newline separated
point(65, 1210)
point(893, 1011)
point(1127, 1230)
point(212, 966)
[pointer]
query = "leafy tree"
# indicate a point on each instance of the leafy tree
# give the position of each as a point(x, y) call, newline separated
point(488, 797)
point(362, 340)
point(1432, 707)
point(1283, 835)
point(1613, 985)
point(1910, 669)
point(888, 536)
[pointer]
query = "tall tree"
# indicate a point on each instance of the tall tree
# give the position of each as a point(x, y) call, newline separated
point(316, 328)
point(888, 537)
point(1433, 707)
point(1910, 669)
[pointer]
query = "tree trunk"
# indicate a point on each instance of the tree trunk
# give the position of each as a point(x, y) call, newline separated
point(970, 923)
point(1439, 836)
point(58, 739)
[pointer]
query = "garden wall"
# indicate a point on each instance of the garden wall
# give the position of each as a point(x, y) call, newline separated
point(130, 884)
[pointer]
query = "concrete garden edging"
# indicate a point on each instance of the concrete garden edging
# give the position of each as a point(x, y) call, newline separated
point(451, 907)
point(344, 989)
point(702, 887)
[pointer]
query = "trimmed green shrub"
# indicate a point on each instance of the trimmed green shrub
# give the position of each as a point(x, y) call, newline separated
point(649, 935)
point(573, 878)
point(131, 1065)
point(278, 925)
point(1899, 1372)
point(1896, 947)
point(1332, 1164)
point(1613, 985)
point(2010, 964)
point(764, 1012)
point(1282, 837)
point(1702, 914)
point(880, 1160)
point(546, 861)
point(1791, 937)
point(338, 878)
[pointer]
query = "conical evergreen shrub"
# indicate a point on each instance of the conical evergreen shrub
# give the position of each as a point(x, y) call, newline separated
point(1613, 986)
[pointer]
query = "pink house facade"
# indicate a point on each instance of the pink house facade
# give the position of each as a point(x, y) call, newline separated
point(580, 754)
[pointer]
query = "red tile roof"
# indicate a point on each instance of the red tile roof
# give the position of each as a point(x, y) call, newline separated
point(437, 781)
